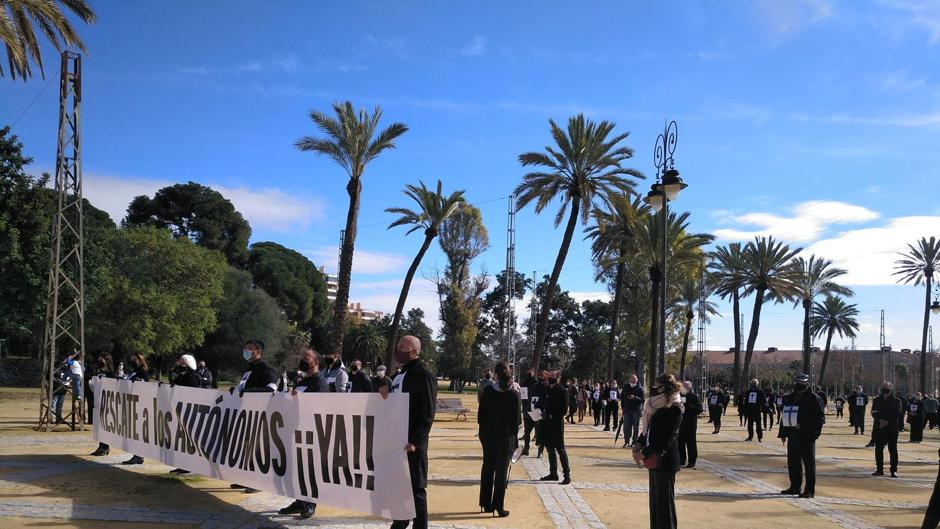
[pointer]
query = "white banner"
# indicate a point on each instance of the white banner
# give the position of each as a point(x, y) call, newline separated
point(340, 449)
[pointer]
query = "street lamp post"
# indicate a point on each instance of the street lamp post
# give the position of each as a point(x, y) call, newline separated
point(666, 189)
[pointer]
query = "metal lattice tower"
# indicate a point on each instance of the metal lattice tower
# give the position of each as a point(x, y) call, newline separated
point(703, 357)
point(65, 308)
point(510, 284)
point(884, 361)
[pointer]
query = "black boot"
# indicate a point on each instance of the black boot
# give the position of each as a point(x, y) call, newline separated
point(135, 460)
point(294, 508)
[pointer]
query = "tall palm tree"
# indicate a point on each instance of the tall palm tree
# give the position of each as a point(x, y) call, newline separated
point(433, 209)
point(920, 264)
point(688, 302)
point(683, 253)
point(727, 264)
point(16, 30)
point(815, 277)
point(832, 316)
point(584, 166)
point(369, 341)
point(611, 234)
point(768, 273)
point(352, 140)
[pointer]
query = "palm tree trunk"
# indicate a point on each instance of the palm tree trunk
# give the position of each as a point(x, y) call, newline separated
point(923, 341)
point(341, 307)
point(807, 354)
point(615, 318)
point(736, 369)
point(542, 327)
point(654, 324)
point(405, 287)
point(685, 344)
point(752, 336)
point(825, 360)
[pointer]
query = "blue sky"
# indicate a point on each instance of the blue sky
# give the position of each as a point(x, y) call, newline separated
point(816, 121)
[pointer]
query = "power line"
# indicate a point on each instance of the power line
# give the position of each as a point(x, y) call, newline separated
point(31, 103)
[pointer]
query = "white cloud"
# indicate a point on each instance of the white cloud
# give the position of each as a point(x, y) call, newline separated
point(477, 46)
point(790, 16)
point(923, 15)
point(869, 253)
point(581, 297)
point(268, 208)
point(364, 261)
point(808, 222)
point(383, 296)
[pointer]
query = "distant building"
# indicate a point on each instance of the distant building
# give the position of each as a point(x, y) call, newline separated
point(361, 315)
point(332, 284)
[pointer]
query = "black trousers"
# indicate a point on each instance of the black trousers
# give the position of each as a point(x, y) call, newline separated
point(493, 475)
point(838, 412)
point(597, 412)
point(418, 466)
point(753, 418)
point(917, 430)
point(801, 457)
point(556, 450)
point(858, 419)
point(768, 414)
point(662, 500)
point(529, 426)
point(613, 408)
point(714, 416)
point(688, 445)
point(932, 516)
point(886, 437)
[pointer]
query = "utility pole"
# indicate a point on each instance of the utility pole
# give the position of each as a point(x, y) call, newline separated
point(884, 362)
point(65, 305)
point(703, 357)
point(510, 284)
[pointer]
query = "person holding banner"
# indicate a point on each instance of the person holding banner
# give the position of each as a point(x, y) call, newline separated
point(310, 367)
point(184, 375)
point(105, 370)
point(801, 423)
point(141, 373)
point(499, 420)
point(259, 378)
point(421, 387)
point(334, 379)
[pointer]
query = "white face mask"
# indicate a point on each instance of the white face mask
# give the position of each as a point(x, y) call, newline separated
point(246, 354)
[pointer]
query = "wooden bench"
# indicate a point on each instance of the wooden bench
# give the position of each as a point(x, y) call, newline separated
point(453, 406)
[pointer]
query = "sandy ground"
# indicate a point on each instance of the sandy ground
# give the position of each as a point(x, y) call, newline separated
point(732, 488)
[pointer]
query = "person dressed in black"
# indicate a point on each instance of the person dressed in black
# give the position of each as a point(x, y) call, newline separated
point(309, 367)
point(770, 406)
point(840, 406)
point(421, 387)
point(916, 417)
point(716, 405)
point(858, 401)
point(140, 373)
point(740, 402)
point(553, 429)
point(572, 386)
point(537, 395)
point(801, 422)
point(688, 446)
point(104, 369)
point(754, 404)
point(527, 391)
point(597, 402)
point(613, 406)
point(932, 516)
point(358, 379)
point(184, 374)
point(206, 380)
point(632, 398)
point(499, 420)
point(904, 402)
point(260, 377)
point(662, 417)
point(886, 414)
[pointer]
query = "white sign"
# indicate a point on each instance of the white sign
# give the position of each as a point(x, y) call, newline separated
point(524, 393)
point(752, 398)
point(536, 415)
point(713, 400)
point(788, 417)
point(343, 450)
point(613, 394)
point(859, 401)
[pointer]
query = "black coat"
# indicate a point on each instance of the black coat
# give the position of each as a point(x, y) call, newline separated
point(359, 382)
point(553, 413)
point(309, 384)
point(631, 399)
point(886, 408)
point(757, 395)
point(499, 417)
point(186, 377)
point(693, 406)
point(719, 400)
point(260, 378)
point(421, 387)
point(853, 401)
point(809, 415)
point(662, 438)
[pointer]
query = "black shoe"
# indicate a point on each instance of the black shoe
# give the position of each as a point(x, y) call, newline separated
point(309, 510)
point(894, 474)
point(101, 452)
point(566, 481)
point(487, 510)
point(236, 486)
point(525, 452)
point(869, 445)
point(691, 466)
point(294, 508)
point(179, 471)
point(791, 492)
point(749, 439)
point(501, 513)
point(550, 477)
point(760, 440)
point(135, 460)
point(878, 473)
point(807, 494)
point(606, 429)
point(249, 490)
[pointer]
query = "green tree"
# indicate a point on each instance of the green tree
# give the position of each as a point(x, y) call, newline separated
point(815, 277)
point(243, 313)
point(918, 265)
point(352, 140)
point(296, 284)
point(584, 166)
point(494, 312)
point(198, 213)
point(767, 272)
point(433, 209)
point(688, 302)
point(727, 264)
point(16, 30)
point(162, 295)
point(368, 341)
point(832, 316)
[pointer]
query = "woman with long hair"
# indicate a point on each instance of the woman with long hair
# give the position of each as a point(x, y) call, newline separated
point(104, 369)
point(499, 418)
point(657, 448)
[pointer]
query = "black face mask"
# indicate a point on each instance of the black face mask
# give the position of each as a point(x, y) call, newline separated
point(303, 366)
point(552, 381)
point(656, 391)
point(885, 391)
point(800, 386)
point(354, 369)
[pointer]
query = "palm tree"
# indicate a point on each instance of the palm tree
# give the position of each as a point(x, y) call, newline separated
point(686, 305)
point(368, 340)
point(684, 253)
point(584, 166)
point(919, 264)
point(815, 277)
point(830, 317)
point(768, 273)
point(612, 233)
point(433, 209)
point(16, 30)
point(727, 264)
point(352, 141)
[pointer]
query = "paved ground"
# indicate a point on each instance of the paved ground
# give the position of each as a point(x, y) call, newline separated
point(47, 480)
